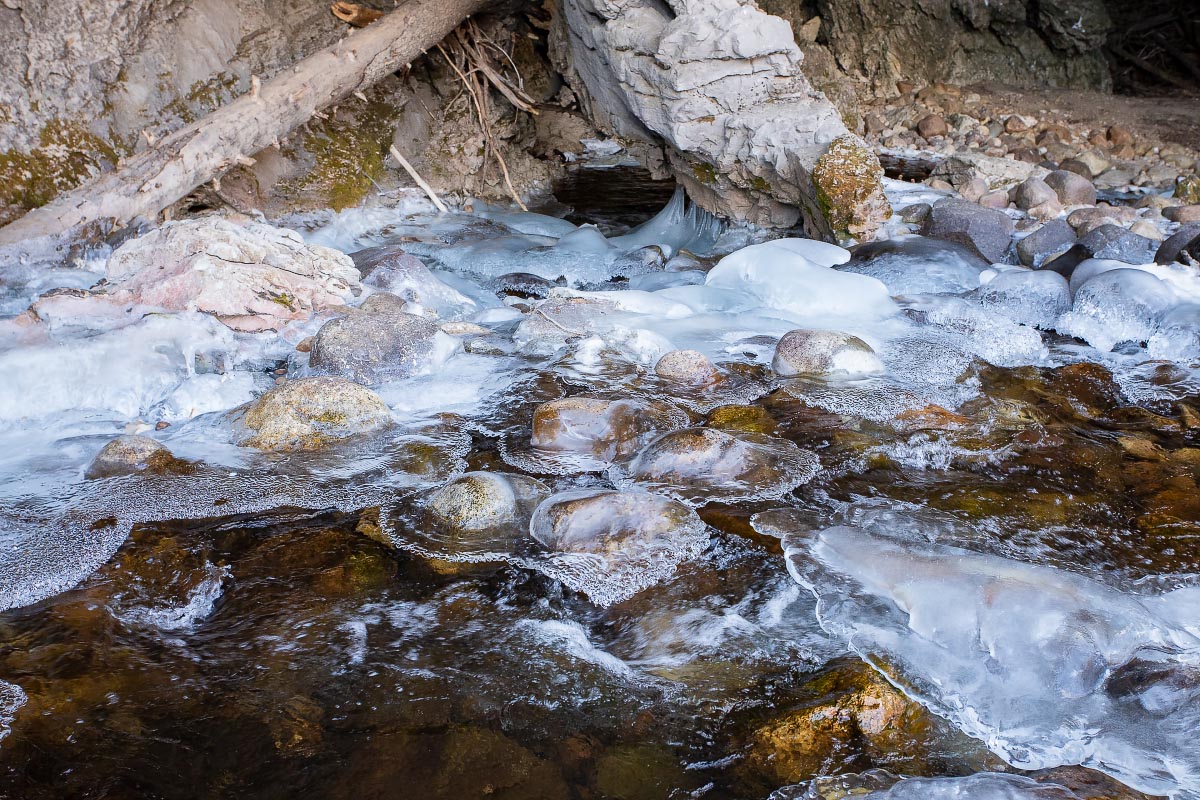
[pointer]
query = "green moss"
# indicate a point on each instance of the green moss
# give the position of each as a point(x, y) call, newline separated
point(759, 183)
point(203, 98)
point(705, 173)
point(348, 151)
point(67, 153)
point(848, 183)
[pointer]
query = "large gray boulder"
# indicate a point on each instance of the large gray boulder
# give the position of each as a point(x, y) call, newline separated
point(986, 230)
point(1047, 242)
point(372, 348)
point(717, 84)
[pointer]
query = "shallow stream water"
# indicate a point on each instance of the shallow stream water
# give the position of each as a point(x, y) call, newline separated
point(998, 529)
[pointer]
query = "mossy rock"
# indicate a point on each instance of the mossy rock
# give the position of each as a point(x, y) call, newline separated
point(67, 154)
point(849, 184)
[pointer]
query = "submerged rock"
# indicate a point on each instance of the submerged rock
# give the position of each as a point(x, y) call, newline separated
point(481, 501)
point(813, 352)
point(129, 455)
point(248, 274)
point(703, 464)
point(604, 521)
point(309, 413)
point(391, 269)
point(605, 429)
point(687, 367)
point(372, 348)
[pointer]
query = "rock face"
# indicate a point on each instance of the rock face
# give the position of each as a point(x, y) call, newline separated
point(885, 41)
point(250, 275)
point(371, 348)
point(740, 125)
point(309, 413)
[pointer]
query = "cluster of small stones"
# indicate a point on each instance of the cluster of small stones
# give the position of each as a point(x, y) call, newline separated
point(950, 120)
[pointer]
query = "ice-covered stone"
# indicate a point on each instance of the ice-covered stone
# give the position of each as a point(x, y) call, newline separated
point(701, 465)
point(391, 269)
point(1178, 335)
point(248, 274)
point(820, 352)
point(131, 454)
point(1120, 305)
point(481, 501)
point(1035, 298)
point(687, 367)
point(604, 429)
point(917, 265)
point(1047, 666)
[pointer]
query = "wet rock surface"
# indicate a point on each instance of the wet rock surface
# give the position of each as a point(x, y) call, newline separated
point(373, 346)
point(309, 413)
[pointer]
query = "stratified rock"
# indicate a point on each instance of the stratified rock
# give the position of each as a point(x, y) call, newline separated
point(818, 352)
point(309, 413)
point(131, 454)
point(687, 367)
point(250, 275)
point(1072, 189)
point(374, 348)
point(742, 128)
point(1052, 239)
point(986, 230)
point(605, 429)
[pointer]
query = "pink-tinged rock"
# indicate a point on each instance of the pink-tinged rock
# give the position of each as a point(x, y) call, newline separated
point(250, 275)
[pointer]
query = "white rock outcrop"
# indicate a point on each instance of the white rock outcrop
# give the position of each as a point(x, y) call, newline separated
point(250, 275)
point(717, 84)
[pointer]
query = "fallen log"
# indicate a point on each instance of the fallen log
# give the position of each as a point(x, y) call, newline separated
point(192, 156)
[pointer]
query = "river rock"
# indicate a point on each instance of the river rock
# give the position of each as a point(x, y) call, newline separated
point(932, 125)
point(604, 522)
point(704, 464)
point(131, 454)
point(820, 352)
point(1116, 243)
point(986, 230)
point(482, 501)
point(1033, 192)
point(1182, 214)
point(374, 348)
point(310, 413)
point(1050, 240)
point(384, 303)
point(605, 429)
point(688, 368)
point(559, 318)
point(1175, 247)
point(1072, 189)
point(250, 275)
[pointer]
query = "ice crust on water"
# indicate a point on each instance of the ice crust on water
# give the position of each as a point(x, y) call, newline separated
point(1115, 306)
point(1178, 335)
point(916, 265)
point(12, 698)
point(1028, 297)
point(1045, 666)
point(980, 786)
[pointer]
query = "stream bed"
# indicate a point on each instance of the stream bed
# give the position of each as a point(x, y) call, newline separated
point(960, 559)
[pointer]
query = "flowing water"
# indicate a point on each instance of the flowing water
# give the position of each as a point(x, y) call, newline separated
point(973, 560)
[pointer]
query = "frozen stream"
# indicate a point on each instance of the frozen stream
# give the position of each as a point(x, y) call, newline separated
point(983, 485)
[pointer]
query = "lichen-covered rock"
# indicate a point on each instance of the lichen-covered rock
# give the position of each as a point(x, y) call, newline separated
point(310, 413)
point(687, 367)
point(374, 348)
point(131, 454)
point(818, 352)
point(1187, 190)
point(851, 704)
point(481, 501)
point(740, 125)
point(250, 275)
point(848, 180)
